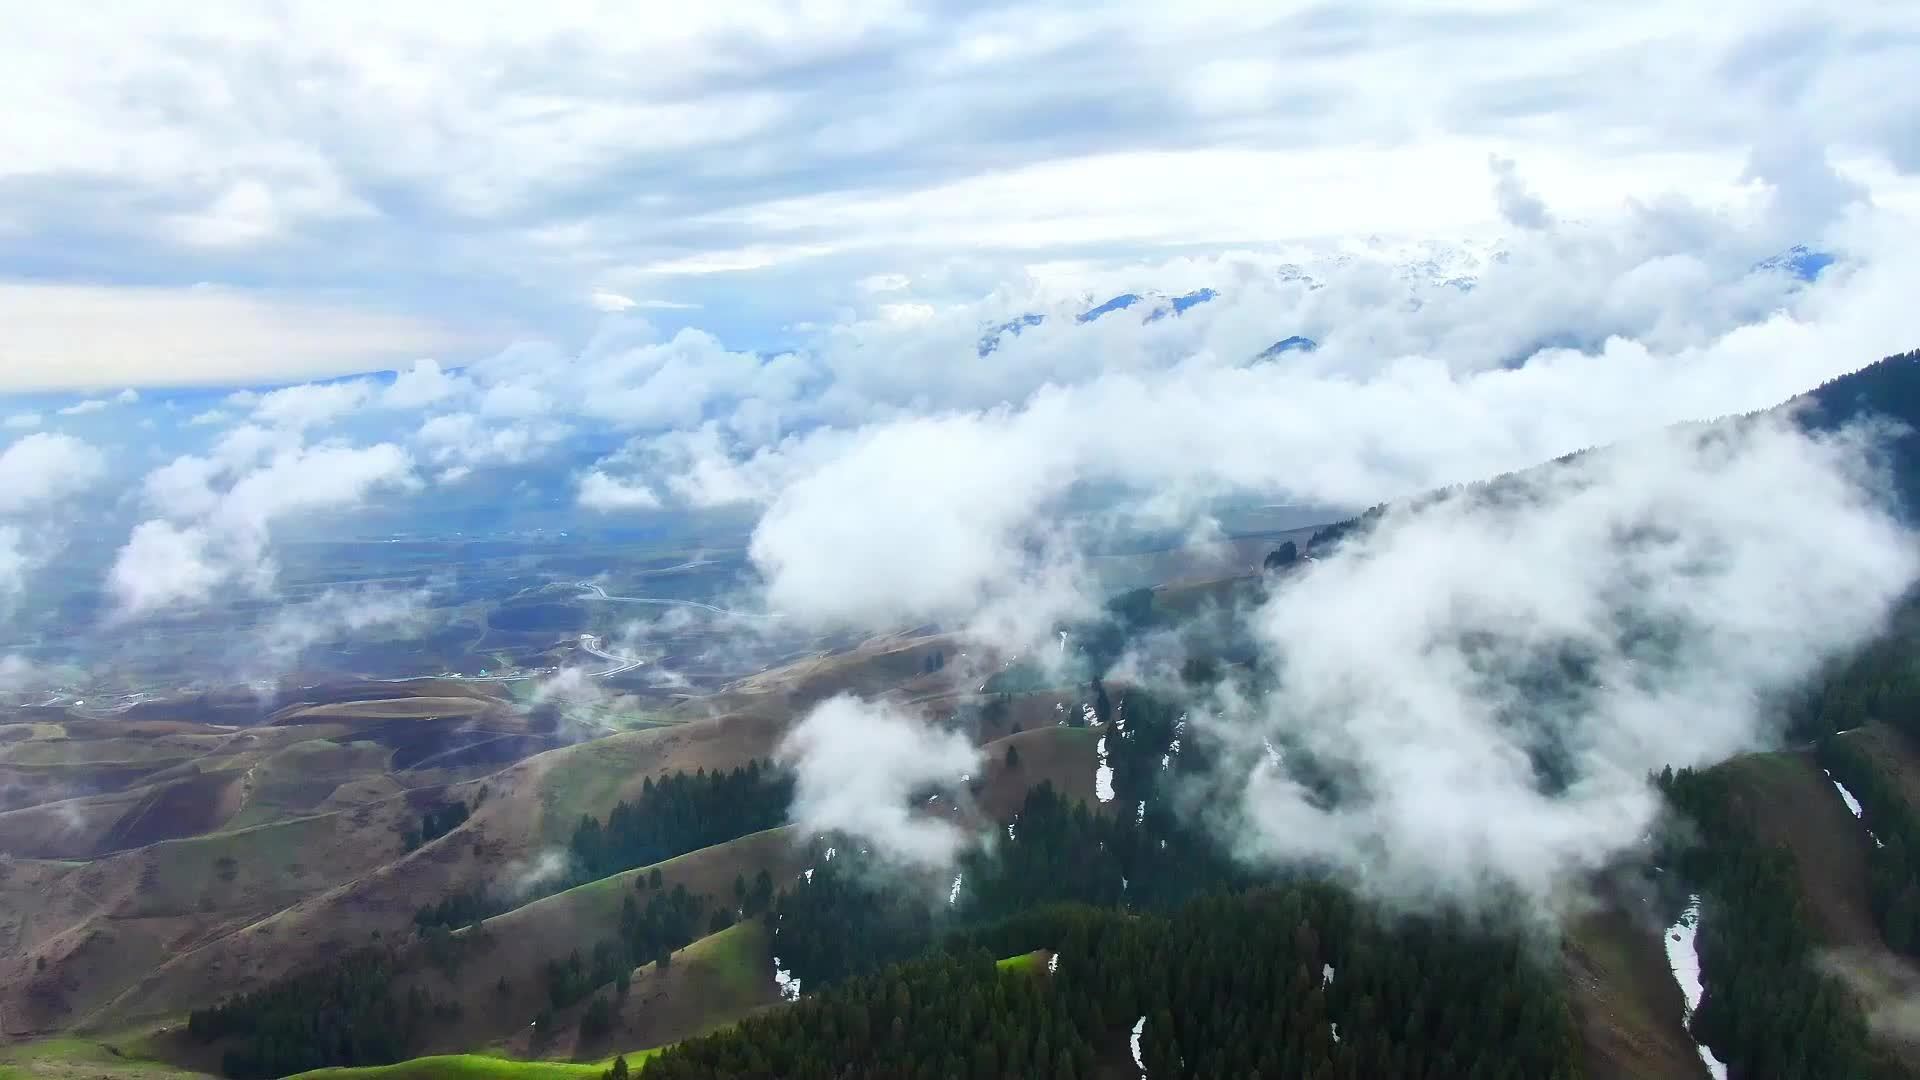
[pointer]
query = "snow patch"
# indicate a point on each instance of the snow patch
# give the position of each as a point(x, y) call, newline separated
point(1335, 1029)
point(1326, 975)
point(1684, 960)
point(1140, 812)
point(1133, 1042)
point(783, 979)
point(1103, 774)
point(1053, 963)
point(953, 894)
point(808, 875)
point(1853, 804)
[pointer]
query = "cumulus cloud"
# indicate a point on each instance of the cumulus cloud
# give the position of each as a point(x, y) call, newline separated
point(163, 565)
point(44, 468)
point(311, 405)
point(1489, 679)
point(23, 421)
point(464, 441)
point(598, 491)
point(858, 762)
point(421, 385)
point(38, 473)
point(928, 516)
point(218, 511)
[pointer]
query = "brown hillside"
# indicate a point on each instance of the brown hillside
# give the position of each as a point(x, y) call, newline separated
point(1627, 1004)
point(521, 942)
point(529, 807)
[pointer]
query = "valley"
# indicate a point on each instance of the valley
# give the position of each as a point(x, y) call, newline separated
point(539, 871)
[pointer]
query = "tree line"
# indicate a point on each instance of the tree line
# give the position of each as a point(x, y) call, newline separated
point(341, 1012)
point(680, 813)
point(437, 822)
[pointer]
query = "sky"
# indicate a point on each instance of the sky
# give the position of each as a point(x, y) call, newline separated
point(244, 194)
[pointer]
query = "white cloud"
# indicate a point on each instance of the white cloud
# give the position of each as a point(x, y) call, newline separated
point(1661, 569)
point(210, 418)
point(604, 493)
point(14, 564)
point(23, 421)
point(465, 441)
point(857, 762)
point(422, 385)
point(880, 283)
point(17, 673)
point(969, 494)
point(312, 405)
point(390, 160)
point(44, 468)
point(163, 565)
point(333, 616)
point(610, 301)
point(82, 408)
point(219, 512)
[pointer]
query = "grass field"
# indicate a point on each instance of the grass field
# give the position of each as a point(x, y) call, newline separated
point(475, 1067)
point(1025, 962)
point(83, 1059)
point(410, 708)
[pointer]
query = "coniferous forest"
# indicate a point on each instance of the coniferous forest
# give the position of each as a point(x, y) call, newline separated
point(1769, 1010)
point(680, 813)
point(1294, 981)
point(342, 1013)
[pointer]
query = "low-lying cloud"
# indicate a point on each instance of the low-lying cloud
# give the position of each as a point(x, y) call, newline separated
point(335, 615)
point(45, 467)
point(1490, 679)
point(857, 764)
point(217, 512)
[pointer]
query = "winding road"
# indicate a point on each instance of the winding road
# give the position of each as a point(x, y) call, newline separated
point(595, 592)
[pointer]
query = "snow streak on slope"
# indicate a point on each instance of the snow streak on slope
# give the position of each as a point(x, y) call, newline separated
point(1853, 805)
point(1684, 960)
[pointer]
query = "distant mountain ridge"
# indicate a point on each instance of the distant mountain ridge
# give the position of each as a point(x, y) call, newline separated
point(1445, 268)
